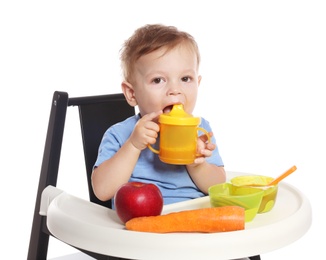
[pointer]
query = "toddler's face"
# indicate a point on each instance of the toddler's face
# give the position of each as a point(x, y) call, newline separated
point(162, 79)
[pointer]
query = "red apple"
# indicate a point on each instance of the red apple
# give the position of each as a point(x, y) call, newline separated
point(137, 199)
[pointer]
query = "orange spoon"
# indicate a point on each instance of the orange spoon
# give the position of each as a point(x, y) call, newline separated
point(282, 176)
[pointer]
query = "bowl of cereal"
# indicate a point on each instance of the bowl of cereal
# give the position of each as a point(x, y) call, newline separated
point(259, 182)
point(227, 194)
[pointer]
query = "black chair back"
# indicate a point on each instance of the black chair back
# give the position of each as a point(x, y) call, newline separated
point(97, 113)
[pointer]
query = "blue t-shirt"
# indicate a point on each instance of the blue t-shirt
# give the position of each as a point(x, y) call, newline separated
point(173, 180)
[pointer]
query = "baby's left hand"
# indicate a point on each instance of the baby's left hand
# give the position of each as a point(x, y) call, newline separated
point(204, 148)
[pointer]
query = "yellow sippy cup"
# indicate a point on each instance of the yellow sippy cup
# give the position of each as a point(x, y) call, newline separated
point(178, 136)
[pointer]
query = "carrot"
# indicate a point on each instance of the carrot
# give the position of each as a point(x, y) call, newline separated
point(205, 220)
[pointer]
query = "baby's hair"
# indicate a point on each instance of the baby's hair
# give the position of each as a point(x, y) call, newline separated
point(150, 38)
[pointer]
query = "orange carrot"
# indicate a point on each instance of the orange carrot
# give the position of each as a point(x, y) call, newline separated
point(206, 220)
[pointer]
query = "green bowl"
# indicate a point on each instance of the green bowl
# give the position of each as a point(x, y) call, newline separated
point(226, 194)
point(270, 193)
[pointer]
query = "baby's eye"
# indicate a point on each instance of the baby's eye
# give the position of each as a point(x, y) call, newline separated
point(186, 79)
point(157, 80)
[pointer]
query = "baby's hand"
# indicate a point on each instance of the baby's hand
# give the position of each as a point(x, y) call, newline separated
point(204, 148)
point(145, 131)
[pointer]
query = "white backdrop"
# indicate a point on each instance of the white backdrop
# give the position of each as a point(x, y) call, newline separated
point(263, 68)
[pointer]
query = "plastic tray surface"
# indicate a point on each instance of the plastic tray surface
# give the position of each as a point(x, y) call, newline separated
point(92, 227)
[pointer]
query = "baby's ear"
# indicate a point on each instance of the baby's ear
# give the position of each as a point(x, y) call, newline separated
point(199, 80)
point(128, 91)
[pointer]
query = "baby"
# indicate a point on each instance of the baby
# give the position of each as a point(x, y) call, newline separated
point(160, 67)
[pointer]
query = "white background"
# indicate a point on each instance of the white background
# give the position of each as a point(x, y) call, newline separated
point(264, 77)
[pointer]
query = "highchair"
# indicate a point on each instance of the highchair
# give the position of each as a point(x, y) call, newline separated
point(93, 227)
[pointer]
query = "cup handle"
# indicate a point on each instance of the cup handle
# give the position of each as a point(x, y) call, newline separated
point(207, 134)
point(152, 149)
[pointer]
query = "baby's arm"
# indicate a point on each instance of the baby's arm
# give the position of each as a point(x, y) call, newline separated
point(203, 173)
point(112, 173)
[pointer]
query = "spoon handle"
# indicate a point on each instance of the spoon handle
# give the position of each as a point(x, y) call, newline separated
point(282, 176)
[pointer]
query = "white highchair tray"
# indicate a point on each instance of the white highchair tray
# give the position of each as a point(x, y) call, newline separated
point(95, 228)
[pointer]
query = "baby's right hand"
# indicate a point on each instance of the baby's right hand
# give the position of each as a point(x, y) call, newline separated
point(145, 131)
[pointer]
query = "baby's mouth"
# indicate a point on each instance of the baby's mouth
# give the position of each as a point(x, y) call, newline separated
point(167, 109)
